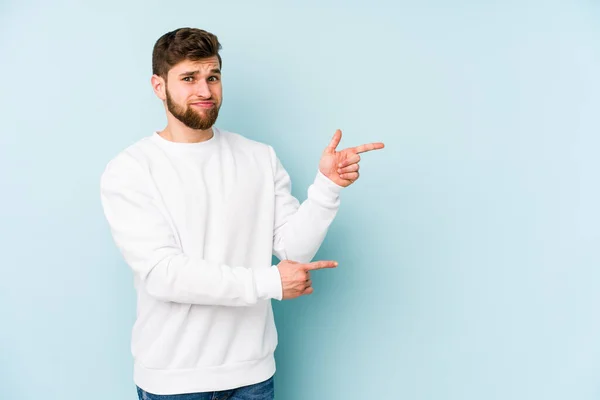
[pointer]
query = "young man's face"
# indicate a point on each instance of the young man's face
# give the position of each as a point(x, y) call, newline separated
point(194, 92)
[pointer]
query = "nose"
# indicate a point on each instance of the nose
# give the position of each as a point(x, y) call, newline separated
point(202, 89)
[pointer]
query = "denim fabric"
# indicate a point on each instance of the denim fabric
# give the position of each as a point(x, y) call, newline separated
point(260, 391)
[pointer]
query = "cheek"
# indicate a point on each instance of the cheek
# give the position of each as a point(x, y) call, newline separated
point(216, 91)
point(181, 94)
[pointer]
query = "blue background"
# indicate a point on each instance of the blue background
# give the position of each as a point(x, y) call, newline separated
point(468, 249)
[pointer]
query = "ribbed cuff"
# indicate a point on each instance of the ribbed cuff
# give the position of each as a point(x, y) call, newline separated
point(268, 283)
point(325, 191)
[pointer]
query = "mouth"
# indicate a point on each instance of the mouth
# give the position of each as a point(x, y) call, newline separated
point(203, 104)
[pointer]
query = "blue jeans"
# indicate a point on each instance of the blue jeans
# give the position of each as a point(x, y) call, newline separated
point(259, 391)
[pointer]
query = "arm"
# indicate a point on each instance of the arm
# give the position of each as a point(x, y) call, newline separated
point(300, 229)
point(149, 246)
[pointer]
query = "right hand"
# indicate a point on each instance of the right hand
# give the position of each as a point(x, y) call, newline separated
point(295, 277)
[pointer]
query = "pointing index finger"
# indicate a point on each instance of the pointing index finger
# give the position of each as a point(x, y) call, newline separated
point(320, 265)
point(368, 147)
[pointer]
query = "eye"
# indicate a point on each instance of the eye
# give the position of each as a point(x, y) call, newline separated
point(187, 79)
point(213, 78)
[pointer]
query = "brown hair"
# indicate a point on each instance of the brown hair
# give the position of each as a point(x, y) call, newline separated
point(183, 44)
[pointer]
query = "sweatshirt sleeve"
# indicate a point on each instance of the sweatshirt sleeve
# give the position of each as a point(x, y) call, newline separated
point(300, 229)
point(149, 246)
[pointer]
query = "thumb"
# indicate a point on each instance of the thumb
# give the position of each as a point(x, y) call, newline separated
point(337, 136)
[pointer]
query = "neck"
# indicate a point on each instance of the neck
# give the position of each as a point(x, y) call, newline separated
point(175, 131)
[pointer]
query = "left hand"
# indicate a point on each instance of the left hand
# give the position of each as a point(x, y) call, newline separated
point(341, 167)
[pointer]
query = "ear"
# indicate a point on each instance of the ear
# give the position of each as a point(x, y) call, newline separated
point(159, 86)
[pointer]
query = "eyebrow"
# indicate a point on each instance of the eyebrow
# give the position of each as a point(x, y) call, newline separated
point(191, 73)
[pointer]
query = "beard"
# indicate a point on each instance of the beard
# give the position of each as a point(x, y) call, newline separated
point(190, 117)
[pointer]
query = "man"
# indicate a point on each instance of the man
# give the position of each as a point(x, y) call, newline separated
point(197, 213)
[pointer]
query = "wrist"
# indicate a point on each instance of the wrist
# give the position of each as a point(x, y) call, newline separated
point(324, 183)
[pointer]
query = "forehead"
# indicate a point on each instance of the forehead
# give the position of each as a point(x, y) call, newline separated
point(203, 65)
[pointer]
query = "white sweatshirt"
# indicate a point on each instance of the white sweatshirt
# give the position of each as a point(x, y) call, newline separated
point(198, 224)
